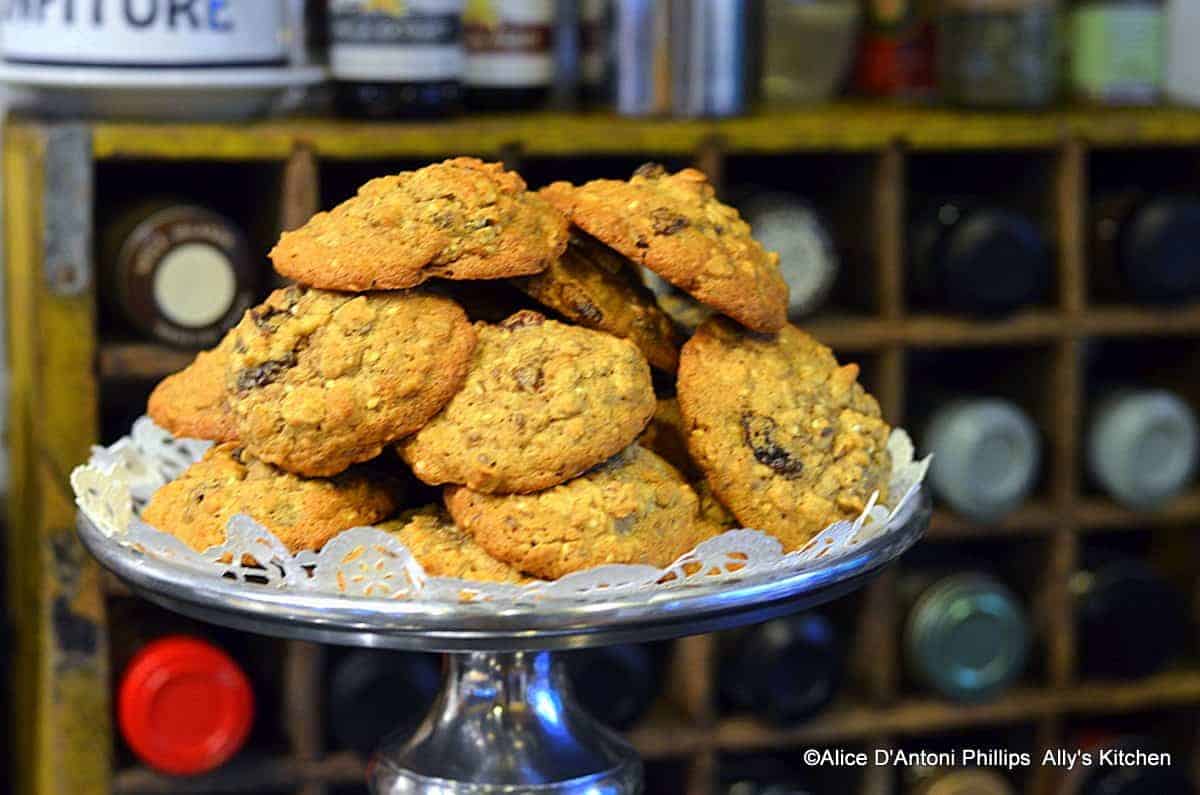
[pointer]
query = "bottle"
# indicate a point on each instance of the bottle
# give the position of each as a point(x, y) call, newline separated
point(616, 684)
point(374, 693)
point(986, 456)
point(808, 49)
point(807, 257)
point(897, 54)
point(177, 272)
point(966, 637)
point(594, 40)
point(999, 53)
point(978, 260)
point(1117, 51)
point(762, 774)
point(786, 670)
point(396, 60)
point(1182, 27)
point(510, 53)
point(1123, 766)
point(1130, 622)
point(1142, 446)
point(184, 706)
point(971, 781)
point(1143, 247)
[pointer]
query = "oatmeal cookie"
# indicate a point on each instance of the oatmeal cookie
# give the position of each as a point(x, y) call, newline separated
point(543, 402)
point(444, 550)
point(304, 513)
point(634, 508)
point(674, 225)
point(596, 287)
point(192, 402)
point(459, 219)
point(789, 440)
point(318, 380)
point(665, 435)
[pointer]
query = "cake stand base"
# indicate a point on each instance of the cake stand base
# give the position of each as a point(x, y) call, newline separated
point(506, 723)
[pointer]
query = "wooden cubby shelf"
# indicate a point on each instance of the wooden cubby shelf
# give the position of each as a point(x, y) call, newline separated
point(872, 164)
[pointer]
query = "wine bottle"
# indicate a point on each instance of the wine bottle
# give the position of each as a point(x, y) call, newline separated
point(986, 455)
point(375, 693)
point(1144, 247)
point(1129, 621)
point(616, 684)
point(1142, 446)
point(807, 257)
point(967, 635)
point(786, 670)
point(978, 259)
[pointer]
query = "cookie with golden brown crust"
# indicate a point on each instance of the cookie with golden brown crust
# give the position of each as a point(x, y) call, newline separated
point(594, 286)
point(543, 402)
point(303, 513)
point(319, 380)
point(634, 508)
point(459, 219)
point(788, 439)
point(665, 435)
point(674, 225)
point(192, 402)
point(444, 550)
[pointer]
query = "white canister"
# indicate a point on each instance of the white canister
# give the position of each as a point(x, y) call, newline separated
point(1183, 56)
point(145, 33)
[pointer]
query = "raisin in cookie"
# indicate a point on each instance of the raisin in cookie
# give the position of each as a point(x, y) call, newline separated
point(634, 508)
point(674, 225)
point(789, 440)
point(303, 513)
point(444, 550)
point(459, 219)
point(192, 402)
point(318, 380)
point(596, 287)
point(543, 402)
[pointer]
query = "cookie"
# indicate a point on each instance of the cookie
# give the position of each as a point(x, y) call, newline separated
point(543, 402)
point(318, 380)
point(192, 403)
point(597, 288)
point(459, 219)
point(788, 439)
point(444, 550)
point(303, 513)
point(665, 436)
point(674, 225)
point(634, 508)
point(712, 513)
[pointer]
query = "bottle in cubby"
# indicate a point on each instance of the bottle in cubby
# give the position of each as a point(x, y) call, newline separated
point(1131, 614)
point(371, 694)
point(189, 697)
point(510, 47)
point(618, 684)
point(986, 761)
point(966, 633)
point(1145, 753)
point(787, 772)
point(1141, 443)
point(980, 240)
point(981, 421)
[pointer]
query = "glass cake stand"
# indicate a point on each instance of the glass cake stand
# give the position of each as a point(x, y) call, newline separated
point(505, 721)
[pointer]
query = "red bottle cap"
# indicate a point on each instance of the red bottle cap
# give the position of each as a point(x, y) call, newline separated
point(184, 706)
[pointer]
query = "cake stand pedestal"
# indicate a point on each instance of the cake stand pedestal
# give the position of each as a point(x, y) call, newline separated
point(505, 721)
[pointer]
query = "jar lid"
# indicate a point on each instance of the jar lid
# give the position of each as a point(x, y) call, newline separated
point(808, 260)
point(987, 454)
point(184, 706)
point(1143, 446)
point(995, 261)
point(1159, 251)
point(967, 637)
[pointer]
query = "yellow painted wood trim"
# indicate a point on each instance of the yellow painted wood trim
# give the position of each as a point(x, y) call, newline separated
point(840, 127)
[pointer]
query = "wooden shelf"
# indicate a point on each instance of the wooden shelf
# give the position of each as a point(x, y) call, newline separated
point(1033, 518)
point(844, 127)
point(246, 775)
point(141, 360)
point(1101, 513)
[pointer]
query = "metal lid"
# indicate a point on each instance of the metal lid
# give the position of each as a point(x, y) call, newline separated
point(986, 456)
point(967, 637)
point(1143, 446)
point(807, 257)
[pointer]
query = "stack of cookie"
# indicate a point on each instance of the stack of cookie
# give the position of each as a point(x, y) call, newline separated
point(552, 445)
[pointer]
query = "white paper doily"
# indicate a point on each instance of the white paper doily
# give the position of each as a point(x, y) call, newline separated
point(115, 484)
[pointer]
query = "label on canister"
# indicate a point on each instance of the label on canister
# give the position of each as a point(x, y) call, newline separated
point(144, 33)
point(396, 41)
point(1117, 54)
point(510, 43)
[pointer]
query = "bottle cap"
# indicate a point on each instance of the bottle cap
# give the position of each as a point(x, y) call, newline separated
point(1143, 446)
point(967, 637)
point(1158, 251)
point(184, 706)
point(1131, 623)
point(986, 456)
point(994, 261)
point(807, 257)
